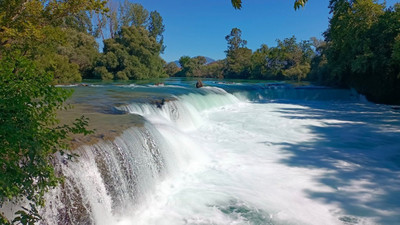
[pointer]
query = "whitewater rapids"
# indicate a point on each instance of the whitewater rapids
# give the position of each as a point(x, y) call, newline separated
point(220, 158)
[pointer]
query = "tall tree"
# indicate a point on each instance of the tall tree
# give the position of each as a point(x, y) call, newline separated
point(235, 40)
point(139, 14)
point(238, 57)
point(133, 14)
point(113, 22)
point(156, 28)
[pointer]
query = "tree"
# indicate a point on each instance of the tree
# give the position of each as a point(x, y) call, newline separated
point(171, 69)
point(361, 41)
point(113, 23)
point(298, 57)
point(319, 63)
point(238, 63)
point(238, 57)
point(235, 40)
point(259, 63)
point(133, 14)
point(30, 134)
point(192, 67)
point(24, 23)
point(134, 52)
point(156, 28)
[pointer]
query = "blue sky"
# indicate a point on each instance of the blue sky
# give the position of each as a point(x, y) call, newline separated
point(199, 27)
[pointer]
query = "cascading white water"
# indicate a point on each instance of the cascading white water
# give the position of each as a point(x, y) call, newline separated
point(111, 178)
point(206, 157)
point(186, 109)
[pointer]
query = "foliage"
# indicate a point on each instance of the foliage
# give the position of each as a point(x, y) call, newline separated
point(156, 28)
point(52, 33)
point(238, 57)
point(289, 59)
point(192, 67)
point(237, 4)
point(319, 63)
point(171, 69)
point(214, 69)
point(297, 57)
point(30, 134)
point(235, 40)
point(63, 71)
point(259, 65)
point(134, 52)
point(23, 23)
point(133, 14)
point(69, 56)
point(361, 49)
point(238, 63)
point(81, 49)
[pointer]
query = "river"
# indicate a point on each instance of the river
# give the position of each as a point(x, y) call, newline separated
point(230, 153)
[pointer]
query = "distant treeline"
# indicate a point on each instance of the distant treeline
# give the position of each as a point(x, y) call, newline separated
point(361, 50)
point(288, 60)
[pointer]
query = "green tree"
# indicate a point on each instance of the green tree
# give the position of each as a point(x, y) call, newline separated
point(235, 40)
point(24, 23)
point(297, 57)
point(238, 63)
point(113, 22)
point(361, 46)
point(319, 63)
point(32, 30)
point(171, 69)
point(238, 57)
point(156, 28)
point(214, 70)
point(134, 52)
point(133, 14)
point(192, 67)
point(30, 135)
point(260, 64)
point(140, 15)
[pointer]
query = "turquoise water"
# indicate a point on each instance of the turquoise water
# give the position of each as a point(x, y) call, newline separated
point(234, 152)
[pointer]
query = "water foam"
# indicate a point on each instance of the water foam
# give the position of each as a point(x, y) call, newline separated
point(208, 158)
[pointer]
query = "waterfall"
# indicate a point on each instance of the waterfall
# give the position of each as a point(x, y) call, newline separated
point(111, 178)
point(245, 154)
point(185, 111)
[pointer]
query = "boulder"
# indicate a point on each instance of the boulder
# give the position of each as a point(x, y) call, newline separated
point(199, 84)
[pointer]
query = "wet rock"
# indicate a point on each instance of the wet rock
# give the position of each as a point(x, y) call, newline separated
point(160, 104)
point(199, 84)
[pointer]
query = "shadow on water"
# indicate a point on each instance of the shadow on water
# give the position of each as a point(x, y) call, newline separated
point(358, 145)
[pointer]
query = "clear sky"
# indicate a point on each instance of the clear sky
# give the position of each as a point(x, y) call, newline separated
point(199, 27)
